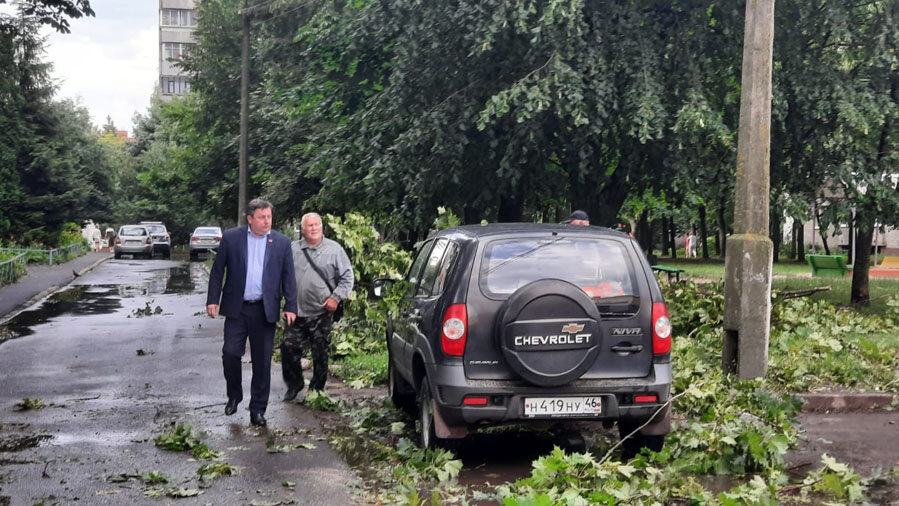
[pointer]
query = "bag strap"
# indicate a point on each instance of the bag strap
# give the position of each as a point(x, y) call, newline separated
point(317, 270)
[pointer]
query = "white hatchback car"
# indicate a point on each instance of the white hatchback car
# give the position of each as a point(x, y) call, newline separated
point(133, 240)
point(204, 239)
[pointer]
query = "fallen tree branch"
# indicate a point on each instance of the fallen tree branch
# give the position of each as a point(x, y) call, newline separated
point(85, 398)
point(789, 490)
point(805, 292)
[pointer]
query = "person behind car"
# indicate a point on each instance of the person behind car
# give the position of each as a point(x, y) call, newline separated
point(578, 217)
point(256, 265)
point(324, 277)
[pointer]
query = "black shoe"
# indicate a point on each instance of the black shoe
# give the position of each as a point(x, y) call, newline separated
point(231, 407)
point(292, 393)
point(257, 419)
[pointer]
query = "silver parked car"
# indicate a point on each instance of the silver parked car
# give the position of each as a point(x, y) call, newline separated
point(133, 240)
point(204, 239)
point(162, 243)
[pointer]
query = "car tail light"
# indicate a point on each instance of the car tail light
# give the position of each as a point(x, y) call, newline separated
point(646, 398)
point(455, 330)
point(661, 329)
point(118, 240)
point(166, 237)
point(149, 240)
point(194, 238)
point(218, 239)
point(475, 401)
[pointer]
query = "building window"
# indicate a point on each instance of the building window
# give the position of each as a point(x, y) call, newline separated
point(178, 17)
point(175, 50)
point(175, 85)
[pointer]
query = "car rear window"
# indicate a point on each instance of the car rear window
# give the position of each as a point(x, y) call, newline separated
point(207, 231)
point(156, 229)
point(134, 231)
point(601, 267)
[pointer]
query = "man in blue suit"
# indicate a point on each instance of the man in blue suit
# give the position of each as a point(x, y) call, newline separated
point(259, 267)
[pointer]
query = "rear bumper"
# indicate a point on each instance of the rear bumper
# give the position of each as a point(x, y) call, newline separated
point(132, 249)
point(506, 398)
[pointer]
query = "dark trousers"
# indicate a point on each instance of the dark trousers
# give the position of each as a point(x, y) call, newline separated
point(307, 331)
point(253, 324)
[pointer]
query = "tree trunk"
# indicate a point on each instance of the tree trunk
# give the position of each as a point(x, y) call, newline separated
point(822, 232)
point(601, 206)
point(664, 235)
point(643, 231)
point(860, 293)
point(800, 242)
point(651, 235)
point(793, 240)
point(510, 210)
point(703, 232)
point(776, 233)
point(722, 228)
point(851, 239)
point(672, 234)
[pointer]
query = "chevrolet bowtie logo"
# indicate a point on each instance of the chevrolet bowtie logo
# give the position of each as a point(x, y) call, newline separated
point(573, 328)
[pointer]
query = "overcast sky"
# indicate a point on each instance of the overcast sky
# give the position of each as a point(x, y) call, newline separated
point(109, 62)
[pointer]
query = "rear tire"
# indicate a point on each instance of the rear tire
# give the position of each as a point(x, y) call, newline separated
point(118, 255)
point(632, 446)
point(193, 255)
point(399, 390)
point(428, 438)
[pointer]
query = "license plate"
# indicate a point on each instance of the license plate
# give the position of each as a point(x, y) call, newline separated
point(562, 406)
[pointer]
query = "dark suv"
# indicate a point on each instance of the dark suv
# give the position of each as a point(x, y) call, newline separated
point(514, 323)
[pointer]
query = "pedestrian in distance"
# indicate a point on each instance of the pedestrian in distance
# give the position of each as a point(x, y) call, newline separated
point(578, 217)
point(257, 266)
point(692, 245)
point(324, 277)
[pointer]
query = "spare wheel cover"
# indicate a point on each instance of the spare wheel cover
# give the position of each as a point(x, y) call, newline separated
point(549, 332)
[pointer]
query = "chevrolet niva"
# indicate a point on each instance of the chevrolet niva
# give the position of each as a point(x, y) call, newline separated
point(531, 323)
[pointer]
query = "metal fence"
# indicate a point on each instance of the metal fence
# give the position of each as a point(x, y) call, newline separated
point(13, 269)
point(50, 255)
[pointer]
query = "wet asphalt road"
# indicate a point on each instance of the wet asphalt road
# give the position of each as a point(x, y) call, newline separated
point(113, 379)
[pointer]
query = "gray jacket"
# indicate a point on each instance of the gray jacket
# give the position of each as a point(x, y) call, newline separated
point(312, 291)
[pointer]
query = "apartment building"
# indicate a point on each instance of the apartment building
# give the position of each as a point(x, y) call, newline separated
point(177, 21)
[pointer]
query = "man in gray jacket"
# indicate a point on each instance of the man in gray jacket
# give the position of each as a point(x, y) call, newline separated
point(324, 278)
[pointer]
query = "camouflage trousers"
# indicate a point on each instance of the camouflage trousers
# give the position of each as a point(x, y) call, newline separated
point(307, 331)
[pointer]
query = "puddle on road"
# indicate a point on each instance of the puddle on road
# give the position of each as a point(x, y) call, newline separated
point(86, 300)
point(180, 280)
point(78, 300)
point(19, 443)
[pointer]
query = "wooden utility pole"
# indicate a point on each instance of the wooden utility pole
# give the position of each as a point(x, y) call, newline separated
point(244, 116)
point(747, 280)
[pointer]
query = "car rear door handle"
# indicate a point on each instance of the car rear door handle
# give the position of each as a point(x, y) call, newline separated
point(634, 348)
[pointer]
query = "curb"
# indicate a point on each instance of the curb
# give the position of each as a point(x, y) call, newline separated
point(91, 266)
point(15, 312)
point(848, 402)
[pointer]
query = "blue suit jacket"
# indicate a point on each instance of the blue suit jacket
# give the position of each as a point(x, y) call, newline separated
point(278, 279)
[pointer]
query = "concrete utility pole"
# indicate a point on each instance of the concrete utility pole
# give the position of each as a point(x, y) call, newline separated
point(244, 116)
point(747, 280)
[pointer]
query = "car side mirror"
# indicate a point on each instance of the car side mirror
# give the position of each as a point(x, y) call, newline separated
point(379, 286)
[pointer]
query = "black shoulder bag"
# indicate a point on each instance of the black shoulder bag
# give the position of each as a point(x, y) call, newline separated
point(338, 313)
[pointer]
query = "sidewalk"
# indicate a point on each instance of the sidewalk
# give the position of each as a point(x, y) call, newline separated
point(42, 279)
